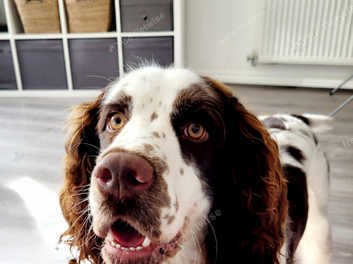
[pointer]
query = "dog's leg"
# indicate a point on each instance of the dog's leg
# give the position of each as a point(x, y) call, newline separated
point(315, 245)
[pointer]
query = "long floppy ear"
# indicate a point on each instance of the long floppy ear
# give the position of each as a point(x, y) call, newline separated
point(82, 147)
point(251, 193)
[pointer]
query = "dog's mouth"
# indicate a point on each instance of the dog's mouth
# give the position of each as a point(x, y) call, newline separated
point(125, 243)
point(127, 237)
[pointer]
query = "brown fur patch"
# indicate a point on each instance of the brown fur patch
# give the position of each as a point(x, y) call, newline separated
point(181, 171)
point(176, 205)
point(156, 134)
point(153, 116)
point(79, 163)
point(122, 105)
point(261, 196)
point(263, 190)
point(166, 216)
point(148, 148)
point(220, 86)
point(170, 219)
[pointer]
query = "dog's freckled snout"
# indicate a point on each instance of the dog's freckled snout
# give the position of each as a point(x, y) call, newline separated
point(124, 175)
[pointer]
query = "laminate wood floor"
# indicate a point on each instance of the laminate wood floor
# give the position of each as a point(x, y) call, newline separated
point(32, 148)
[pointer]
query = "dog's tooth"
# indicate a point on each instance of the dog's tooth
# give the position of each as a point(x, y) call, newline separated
point(132, 248)
point(114, 244)
point(146, 242)
point(124, 248)
point(139, 248)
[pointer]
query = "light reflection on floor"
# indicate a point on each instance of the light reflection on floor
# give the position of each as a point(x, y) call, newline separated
point(42, 205)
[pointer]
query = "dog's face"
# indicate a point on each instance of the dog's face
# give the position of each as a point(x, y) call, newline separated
point(159, 151)
point(158, 131)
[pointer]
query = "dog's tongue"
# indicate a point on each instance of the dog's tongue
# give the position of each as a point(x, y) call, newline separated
point(125, 235)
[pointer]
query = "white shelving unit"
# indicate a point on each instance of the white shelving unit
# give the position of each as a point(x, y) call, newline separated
point(15, 34)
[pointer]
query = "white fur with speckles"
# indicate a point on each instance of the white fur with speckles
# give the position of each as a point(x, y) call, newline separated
point(154, 90)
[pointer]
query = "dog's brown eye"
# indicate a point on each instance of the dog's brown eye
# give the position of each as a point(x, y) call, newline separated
point(196, 132)
point(116, 122)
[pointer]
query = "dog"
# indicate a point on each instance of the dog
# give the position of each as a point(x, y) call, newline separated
point(166, 166)
point(307, 170)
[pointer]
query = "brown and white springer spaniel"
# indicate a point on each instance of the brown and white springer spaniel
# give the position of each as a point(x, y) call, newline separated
point(166, 166)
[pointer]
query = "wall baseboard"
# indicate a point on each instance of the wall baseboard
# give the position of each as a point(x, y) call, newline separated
point(49, 94)
point(241, 78)
point(236, 78)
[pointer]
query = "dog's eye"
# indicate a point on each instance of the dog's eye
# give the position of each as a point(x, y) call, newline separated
point(195, 132)
point(116, 122)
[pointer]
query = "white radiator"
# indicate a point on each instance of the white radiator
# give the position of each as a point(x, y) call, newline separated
point(308, 32)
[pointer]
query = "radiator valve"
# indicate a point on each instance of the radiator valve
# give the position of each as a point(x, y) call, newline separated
point(252, 58)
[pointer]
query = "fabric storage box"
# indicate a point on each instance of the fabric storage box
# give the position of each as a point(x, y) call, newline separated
point(89, 15)
point(42, 64)
point(7, 73)
point(142, 15)
point(93, 62)
point(39, 16)
point(137, 50)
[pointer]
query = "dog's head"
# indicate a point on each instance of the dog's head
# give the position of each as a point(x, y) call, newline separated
point(168, 165)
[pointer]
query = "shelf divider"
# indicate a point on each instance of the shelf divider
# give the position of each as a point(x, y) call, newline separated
point(119, 39)
point(9, 11)
point(64, 29)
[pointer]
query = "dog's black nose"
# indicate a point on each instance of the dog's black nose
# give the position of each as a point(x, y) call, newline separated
point(124, 175)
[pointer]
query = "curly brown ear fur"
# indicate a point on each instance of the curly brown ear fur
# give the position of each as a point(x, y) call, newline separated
point(81, 147)
point(253, 199)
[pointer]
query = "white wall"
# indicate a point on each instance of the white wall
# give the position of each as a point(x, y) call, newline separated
point(220, 34)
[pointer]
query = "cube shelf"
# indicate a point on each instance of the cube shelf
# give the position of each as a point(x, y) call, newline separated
point(77, 63)
point(142, 15)
point(42, 64)
point(140, 49)
point(7, 73)
point(93, 62)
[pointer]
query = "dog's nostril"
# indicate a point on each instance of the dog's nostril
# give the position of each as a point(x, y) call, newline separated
point(131, 177)
point(104, 175)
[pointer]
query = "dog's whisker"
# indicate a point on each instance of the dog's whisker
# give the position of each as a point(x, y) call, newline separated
point(91, 145)
point(80, 194)
point(84, 226)
point(109, 79)
point(81, 186)
point(195, 241)
point(80, 203)
point(90, 235)
point(85, 189)
point(215, 237)
point(84, 213)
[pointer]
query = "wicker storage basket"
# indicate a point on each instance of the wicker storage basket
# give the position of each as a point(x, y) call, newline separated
point(39, 16)
point(89, 15)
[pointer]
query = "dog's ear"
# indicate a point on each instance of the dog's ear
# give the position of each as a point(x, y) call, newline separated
point(253, 193)
point(82, 147)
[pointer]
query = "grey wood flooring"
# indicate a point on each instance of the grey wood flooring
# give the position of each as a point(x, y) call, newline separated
point(32, 148)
